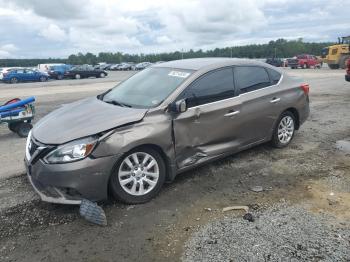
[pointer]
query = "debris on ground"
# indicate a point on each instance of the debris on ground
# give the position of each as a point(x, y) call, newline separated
point(245, 208)
point(93, 213)
point(257, 189)
point(343, 145)
point(249, 217)
point(279, 233)
point(207, 209)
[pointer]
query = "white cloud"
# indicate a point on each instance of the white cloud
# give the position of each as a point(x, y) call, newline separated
point(7, 50)
point(59, 28)
point(53, 33)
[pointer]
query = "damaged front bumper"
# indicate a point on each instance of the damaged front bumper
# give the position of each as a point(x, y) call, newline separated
point(69, 183)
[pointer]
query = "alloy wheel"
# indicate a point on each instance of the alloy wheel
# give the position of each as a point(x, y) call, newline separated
point(138, 173)
point(286, 129)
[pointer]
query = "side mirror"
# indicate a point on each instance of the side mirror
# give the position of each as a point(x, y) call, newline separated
point(179, 106)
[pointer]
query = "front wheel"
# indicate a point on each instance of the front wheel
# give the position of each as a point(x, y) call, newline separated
point(284, 130)
point(77, 76)
point(138, 176)
point(102, 75)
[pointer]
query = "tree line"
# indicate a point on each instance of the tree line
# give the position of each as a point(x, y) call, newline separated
point(280, 48)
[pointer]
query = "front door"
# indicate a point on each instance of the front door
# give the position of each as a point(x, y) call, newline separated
point(210, 126)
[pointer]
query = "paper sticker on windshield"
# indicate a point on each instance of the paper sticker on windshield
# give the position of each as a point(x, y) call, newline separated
point(179, 74)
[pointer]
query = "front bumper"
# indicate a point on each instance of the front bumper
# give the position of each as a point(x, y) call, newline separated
point(69, 183)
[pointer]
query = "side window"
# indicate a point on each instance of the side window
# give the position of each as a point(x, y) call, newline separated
point(211, 87)
point(274, 75)
point(250, 78)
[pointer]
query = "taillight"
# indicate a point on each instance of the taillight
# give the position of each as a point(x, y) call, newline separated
point(306, 88)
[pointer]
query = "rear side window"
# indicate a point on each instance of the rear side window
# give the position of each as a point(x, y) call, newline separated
point(274, 75)
point(250, 78)
point(211, 87)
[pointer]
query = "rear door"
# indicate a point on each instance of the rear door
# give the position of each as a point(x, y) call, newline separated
point(210, 126)
point(260, 103)
point(30, 75)
point(20, 74)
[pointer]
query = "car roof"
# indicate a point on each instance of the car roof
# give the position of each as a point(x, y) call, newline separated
point(211, 62)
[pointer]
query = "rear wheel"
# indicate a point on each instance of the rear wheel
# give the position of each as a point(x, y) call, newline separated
point(333, 66)
point(23, 129)
point(284, 130)
point(43, 79)
point(138, 176)
point(77, 76)
point(14, 80)
point(342, 61)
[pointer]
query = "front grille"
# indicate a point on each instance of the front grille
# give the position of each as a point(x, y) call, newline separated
point(33, 147)
point(38, 150)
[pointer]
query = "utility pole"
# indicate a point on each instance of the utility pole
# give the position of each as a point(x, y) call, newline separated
point(182, 53)
point(231, 52)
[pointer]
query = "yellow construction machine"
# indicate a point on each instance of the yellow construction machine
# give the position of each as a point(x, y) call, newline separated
point(336, 55)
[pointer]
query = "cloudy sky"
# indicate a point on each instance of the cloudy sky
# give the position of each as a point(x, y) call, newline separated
point(51, 28)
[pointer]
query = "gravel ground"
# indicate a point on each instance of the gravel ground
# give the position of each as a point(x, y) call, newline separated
point(280, 233)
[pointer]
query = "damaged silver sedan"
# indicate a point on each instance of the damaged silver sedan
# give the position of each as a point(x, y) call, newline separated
point(162, 121)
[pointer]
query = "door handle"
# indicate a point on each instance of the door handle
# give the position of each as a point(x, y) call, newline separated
point(275, 100)
point(232, 113)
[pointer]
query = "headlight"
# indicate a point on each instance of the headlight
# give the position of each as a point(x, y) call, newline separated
point(72, 151)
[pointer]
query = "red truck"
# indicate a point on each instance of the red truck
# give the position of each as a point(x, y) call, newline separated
point(304, 61)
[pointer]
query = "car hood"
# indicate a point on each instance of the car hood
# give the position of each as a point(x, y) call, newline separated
point(83, 118)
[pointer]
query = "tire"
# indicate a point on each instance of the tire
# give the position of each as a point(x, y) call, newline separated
point(284, 130)
point(14, 126)
point(23, 129)
point(128, 173)
point(342, 61)
point(333, 66)
point(77, 76)
point(43, 79)
point(59, 77)
point(102, 75)
point(14, 80)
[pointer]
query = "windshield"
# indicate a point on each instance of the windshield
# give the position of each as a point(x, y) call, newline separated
point(147, 88)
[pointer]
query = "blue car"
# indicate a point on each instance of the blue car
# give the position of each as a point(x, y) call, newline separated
point(57, 71)
point(24, 75)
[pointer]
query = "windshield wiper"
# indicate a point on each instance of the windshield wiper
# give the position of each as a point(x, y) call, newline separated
point(116, 103)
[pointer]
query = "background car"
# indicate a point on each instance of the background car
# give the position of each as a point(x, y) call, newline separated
point(85, 71)
point(57, 71)
point(125, 66)
point(274, 61)
point(114, 67)
point(142, 65)
point(22, 75)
